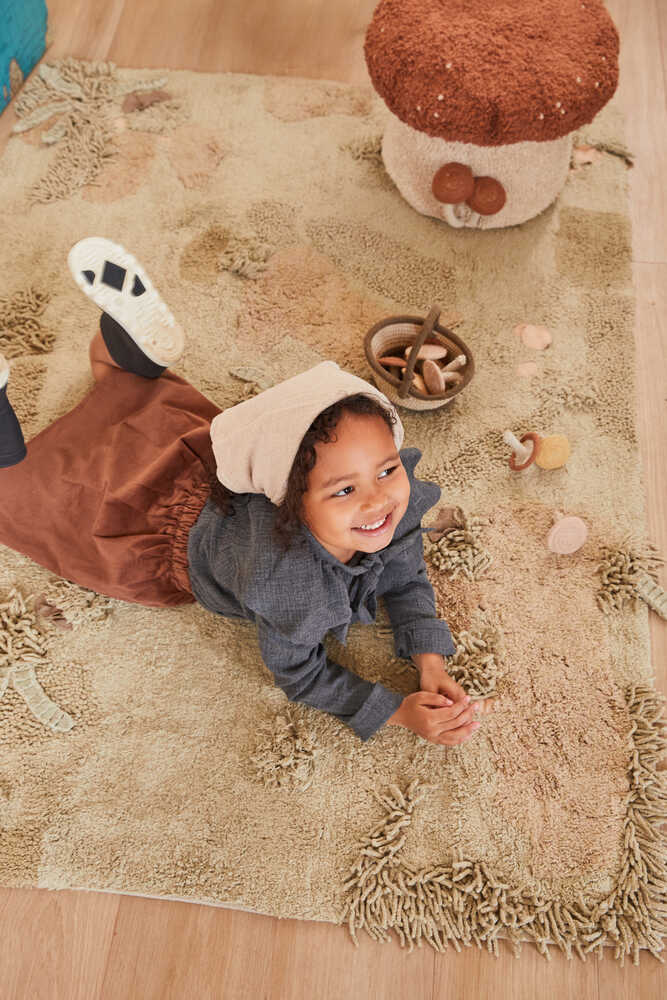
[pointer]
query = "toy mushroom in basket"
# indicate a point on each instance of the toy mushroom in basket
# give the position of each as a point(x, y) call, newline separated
point(485, 98)
point(417, 362)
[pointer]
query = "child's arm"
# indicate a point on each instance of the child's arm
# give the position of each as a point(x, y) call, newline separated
point(410, 603)
point(306, 674)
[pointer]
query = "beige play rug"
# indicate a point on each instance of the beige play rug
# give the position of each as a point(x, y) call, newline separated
point(147, 751)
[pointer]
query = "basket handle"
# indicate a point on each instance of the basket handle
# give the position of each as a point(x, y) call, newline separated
point(426, 330)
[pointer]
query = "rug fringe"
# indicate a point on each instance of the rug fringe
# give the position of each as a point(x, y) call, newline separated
point(627, 572)
point(460, 550)
point(476, 662)
point(464, 902)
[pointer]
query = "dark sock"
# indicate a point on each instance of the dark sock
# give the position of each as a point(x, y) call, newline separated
point(125, 352)
point(12, 445)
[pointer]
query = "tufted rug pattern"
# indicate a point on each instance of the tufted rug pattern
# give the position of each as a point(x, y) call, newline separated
point(146, 751)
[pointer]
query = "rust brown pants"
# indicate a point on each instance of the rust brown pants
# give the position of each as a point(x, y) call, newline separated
point(108, 493)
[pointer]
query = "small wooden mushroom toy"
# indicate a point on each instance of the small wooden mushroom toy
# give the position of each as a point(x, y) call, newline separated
point(567, 535)
point(433, 376)
point(551, 452)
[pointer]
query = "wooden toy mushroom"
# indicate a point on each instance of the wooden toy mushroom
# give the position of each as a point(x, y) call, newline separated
point(551, 452)
point(485, 98)
point(567, 535)
point(523, 451)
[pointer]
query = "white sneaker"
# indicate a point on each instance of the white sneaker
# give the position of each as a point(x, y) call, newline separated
point(4, 371)
point(117, 283)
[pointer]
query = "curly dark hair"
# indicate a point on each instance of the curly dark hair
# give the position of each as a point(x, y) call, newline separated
point(288, 514)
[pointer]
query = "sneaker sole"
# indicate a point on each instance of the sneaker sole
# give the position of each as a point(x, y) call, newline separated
point(122, 289)
point(4, 371)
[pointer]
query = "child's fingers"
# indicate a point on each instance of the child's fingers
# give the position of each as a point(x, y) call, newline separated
point(453, 737)
point(457, 709)
point(452, 718)
point(432, 699)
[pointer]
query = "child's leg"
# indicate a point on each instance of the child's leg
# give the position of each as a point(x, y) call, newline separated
point(125, 351)
point(108, 492)
point(12, 445)
point(112, 349)
point(138, 329)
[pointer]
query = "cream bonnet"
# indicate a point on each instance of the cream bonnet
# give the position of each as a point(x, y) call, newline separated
point(255, 442)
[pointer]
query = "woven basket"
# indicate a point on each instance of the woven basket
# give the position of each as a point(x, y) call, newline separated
point(399, 331)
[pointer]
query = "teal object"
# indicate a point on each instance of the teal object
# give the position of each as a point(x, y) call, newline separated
point(22, 40)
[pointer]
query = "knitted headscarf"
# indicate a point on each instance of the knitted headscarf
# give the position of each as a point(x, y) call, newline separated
point(255, 442)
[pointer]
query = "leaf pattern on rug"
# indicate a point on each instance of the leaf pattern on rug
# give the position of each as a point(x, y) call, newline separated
point(474, 665)
point(78, 99)
point(477, 660)
point(219, 249)
point(78, 605)
point(286, 755)
point(22, 648)
point(464, 902)
point(21, 331)
point(459, 549)
point(629, 572)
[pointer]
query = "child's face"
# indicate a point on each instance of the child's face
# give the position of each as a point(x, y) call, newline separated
point(358, 479)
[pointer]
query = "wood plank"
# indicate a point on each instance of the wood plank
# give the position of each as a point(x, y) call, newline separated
point(166, 949)
point(646, 982)
point(651, 338)
point(296, 37)
point(642, 94)
point(54, 944)
point(478, 974)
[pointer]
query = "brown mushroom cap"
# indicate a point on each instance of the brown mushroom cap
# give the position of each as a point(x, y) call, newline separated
point(488, 196)
point(452, 183)
point(493, 72)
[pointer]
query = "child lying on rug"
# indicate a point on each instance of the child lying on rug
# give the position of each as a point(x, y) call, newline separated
point(293, 509)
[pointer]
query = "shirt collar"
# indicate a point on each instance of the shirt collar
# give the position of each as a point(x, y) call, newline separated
point(361, 563)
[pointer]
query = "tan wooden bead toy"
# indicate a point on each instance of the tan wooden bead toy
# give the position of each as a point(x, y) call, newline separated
point(551, 452)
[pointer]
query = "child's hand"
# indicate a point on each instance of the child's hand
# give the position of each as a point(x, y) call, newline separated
point(426, 714)
point(434, 677)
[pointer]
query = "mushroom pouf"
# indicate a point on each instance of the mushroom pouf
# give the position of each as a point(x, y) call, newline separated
point(485, 96)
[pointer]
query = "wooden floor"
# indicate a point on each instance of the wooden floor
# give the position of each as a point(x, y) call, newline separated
point(85, 946)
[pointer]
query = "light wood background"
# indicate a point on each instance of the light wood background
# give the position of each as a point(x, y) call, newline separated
point(85, 946)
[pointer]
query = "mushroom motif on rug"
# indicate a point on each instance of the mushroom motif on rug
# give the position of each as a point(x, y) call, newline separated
point(485, 98)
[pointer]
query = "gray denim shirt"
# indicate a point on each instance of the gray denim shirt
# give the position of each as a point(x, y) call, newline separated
point(239, 570)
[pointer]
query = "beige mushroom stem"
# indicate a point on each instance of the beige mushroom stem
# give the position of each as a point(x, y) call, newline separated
point(521, 451)
point(458, 362)
point(465, 216)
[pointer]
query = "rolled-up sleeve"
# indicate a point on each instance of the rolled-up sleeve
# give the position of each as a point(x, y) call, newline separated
point(306, 674)
point(410, 602)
